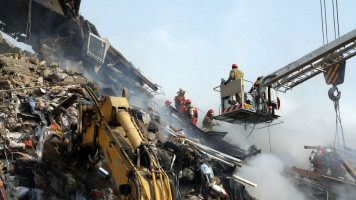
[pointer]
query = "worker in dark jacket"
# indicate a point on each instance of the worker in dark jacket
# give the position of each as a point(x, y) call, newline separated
point(235, 74)
point(208, 121)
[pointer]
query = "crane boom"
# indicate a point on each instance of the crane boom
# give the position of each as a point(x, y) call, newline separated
point(309, 65)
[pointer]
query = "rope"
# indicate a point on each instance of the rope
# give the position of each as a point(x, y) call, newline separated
point(326, 24)
point(334, 18)
point(322, 21)
point(28, 27)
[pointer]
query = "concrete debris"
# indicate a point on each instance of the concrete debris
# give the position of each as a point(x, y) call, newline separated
point(40, 157)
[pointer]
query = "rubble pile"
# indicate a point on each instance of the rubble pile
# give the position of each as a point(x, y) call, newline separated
point(40, 157)
point(38, 102)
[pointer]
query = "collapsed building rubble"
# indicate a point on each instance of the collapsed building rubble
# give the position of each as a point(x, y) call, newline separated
point(58, 33)
point(40, 158)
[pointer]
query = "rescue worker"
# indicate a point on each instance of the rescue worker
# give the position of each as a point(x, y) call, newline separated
point(325, 158)
point(179, 100)
point(335, 163)
point(166, 110)
point(208, 121)
point(191, 112)
point(167, 104)
point(235, 74)
point(257, 83)
point(319, 160)
point(254, 91)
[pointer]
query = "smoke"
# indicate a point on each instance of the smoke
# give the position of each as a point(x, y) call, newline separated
point(345, 193)
point(266, 170)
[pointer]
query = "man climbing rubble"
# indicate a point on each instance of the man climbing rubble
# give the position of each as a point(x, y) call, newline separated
point(208, 121)
point(191, 112)
point(179, 100)
point(235, 74)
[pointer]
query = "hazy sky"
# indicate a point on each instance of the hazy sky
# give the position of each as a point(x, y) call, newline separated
point(192, 44)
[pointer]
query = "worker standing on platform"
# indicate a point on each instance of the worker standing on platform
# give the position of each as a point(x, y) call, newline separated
point(235, 74)
point(191, 112)
point(254, 91)
point(179, 100)
point(208, 121)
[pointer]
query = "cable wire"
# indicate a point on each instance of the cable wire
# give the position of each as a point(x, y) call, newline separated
point(326, 24)
point(322, 21)
point(337, 17)
point(338, 121)
point(334, 18)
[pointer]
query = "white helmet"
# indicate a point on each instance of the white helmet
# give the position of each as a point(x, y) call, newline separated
point(181, 90)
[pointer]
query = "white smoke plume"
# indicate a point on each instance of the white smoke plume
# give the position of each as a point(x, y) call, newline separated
point(266, 170)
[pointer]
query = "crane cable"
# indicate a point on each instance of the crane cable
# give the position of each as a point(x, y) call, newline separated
point(322, 21)
point(334, 18)
point(338, 121)
point(337, 18)
point(326, 24)
point(335, 99)
point(323, 18)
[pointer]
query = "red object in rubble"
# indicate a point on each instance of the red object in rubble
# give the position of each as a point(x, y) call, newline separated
point(28, 143)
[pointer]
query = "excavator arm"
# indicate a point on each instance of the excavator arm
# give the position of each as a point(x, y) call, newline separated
point(115, 132)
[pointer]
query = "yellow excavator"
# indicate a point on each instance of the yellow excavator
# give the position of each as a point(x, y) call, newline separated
point(134, 166)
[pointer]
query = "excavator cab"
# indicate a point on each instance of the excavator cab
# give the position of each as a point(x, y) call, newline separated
point(258, 106)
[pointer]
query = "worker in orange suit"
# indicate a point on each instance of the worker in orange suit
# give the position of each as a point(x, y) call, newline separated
point(191, 112)
point(179, 100)
point(235, 74)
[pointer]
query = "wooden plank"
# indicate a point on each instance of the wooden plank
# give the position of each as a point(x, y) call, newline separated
point(349, 168)
point(306, 173)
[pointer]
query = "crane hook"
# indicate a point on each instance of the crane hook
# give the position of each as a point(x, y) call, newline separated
point(334, 97)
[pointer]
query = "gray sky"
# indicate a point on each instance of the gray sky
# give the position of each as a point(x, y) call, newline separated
point(192, 44)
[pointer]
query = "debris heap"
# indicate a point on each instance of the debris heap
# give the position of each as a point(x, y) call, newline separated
point(40, 157)
point(37, 102)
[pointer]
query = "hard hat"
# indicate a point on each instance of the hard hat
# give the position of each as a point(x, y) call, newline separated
point(320, 148)
point(234, 65)
point(259, 77)
point(168, 102)
point(189, 101)
point(181, 90)
point(210, 112)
